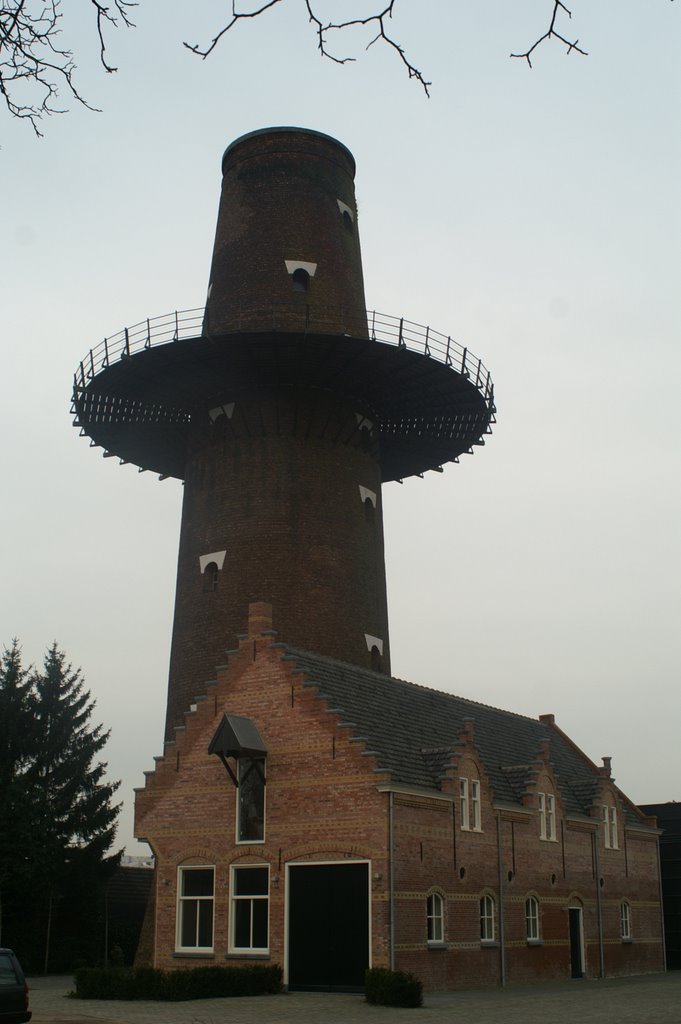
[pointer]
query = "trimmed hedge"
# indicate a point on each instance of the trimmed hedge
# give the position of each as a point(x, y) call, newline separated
point(185, 983)
point(392, 988)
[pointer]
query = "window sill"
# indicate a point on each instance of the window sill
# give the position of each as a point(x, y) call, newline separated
point(548, 839)
point(438, 945)
point(535, 942)
point(627, 942)
point(489, 943)
point(246, 955)
point(188, 955)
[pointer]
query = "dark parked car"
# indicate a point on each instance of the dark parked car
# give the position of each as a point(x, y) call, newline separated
point(13, 990)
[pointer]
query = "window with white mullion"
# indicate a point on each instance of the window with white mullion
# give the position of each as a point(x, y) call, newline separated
point(550, 816)
point(614, 845)
point(476, 816)
point(546, 803)
point(609, 815)
point(542, 815)
point(532, 918)
point(196, 892)
point(470, 806)
point(250, 909)
point(434, 918)
point(487, 919)
point(463, 804)
point(625, 920)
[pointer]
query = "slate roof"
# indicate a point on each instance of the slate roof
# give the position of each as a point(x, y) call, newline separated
point(413, 731)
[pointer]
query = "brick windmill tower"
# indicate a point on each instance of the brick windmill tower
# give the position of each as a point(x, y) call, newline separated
point(283, 406)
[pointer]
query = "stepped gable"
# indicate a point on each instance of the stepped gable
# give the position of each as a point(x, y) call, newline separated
point(414, 732)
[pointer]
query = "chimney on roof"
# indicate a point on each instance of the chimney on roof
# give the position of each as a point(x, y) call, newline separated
point(259, 618)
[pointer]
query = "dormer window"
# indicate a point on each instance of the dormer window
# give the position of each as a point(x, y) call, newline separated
point(547, 816)
point(469, 805)
point(610, 827)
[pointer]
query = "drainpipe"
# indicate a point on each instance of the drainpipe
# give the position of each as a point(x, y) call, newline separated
point(502, 949)
point(391, 882)
point(659, 882)
point(599, 906)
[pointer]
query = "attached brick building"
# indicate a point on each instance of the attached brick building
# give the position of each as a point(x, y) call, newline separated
point(308, 808)
point(398, 826)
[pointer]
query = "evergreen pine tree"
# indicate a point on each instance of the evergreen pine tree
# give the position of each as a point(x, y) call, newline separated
point(72, 800)
point(57, 815)
point(17, 744)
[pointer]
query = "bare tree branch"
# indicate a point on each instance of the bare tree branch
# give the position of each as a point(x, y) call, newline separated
point(33, 66)
point(195, 48)
point(551, 33)
point(105, 14)
point(322, 28)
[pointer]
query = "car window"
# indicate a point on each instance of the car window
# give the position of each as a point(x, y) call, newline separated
point(8, 975)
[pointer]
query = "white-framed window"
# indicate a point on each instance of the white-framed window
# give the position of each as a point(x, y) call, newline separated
point(470, 808)
point(195, 899)
point(463, 804)
point(487, 918)
point(249, 909)
point(434, 917)
point(532, 919)
point(250, 800)
point(550, 816)
point(625, 920)
point(547, 816)
point(610, 827)
point(476, 815)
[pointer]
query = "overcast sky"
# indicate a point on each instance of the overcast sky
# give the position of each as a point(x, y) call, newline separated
point(531, 214)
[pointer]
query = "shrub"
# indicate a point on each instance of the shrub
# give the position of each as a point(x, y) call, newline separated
point(190, 983)
point(392, 988)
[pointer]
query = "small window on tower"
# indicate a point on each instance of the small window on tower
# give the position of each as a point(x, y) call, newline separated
point(347, 221)
point(369, 510)
point(301, 280)
point(375, 659)
point(210, 577)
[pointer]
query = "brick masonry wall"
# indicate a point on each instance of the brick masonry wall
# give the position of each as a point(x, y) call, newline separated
point(433, 853)
point(278, 489)
point(321, 800)
point(324, 803)
point(279, 201)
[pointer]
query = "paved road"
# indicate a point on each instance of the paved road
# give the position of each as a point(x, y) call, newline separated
point(652, 999)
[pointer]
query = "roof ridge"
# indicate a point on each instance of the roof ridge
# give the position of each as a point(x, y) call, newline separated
point(294, 651)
